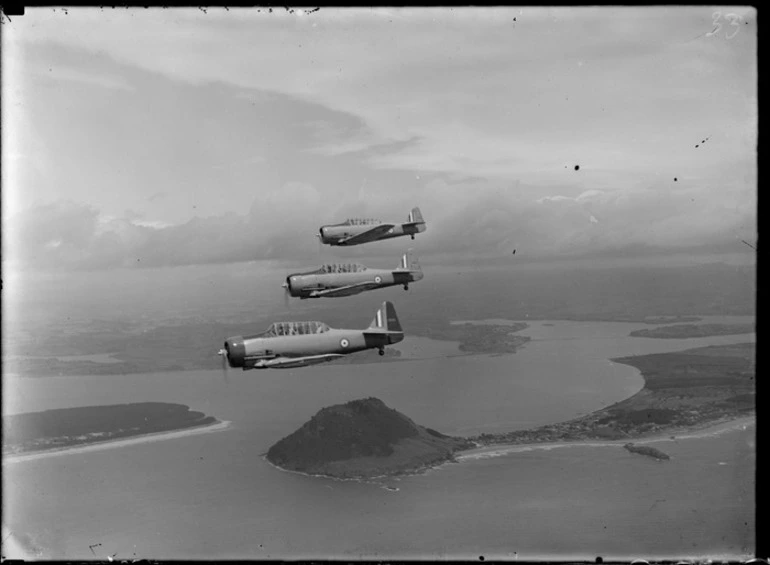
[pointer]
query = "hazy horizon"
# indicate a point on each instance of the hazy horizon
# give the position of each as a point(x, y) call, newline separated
point(179, 137)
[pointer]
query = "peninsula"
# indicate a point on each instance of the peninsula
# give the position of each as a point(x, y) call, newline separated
point(70, 427)
point(362, 439)
point(680, 331)
point(683, 390)
point(687, 389)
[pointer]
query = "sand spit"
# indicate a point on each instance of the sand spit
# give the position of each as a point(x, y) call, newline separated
point(664, 436)
point(111, 444)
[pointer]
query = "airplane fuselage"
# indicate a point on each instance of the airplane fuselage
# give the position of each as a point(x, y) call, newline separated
point(255, 352)
point(337, 234)
point(307, 285)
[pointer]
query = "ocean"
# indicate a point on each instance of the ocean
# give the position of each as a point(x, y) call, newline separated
point(214, 496)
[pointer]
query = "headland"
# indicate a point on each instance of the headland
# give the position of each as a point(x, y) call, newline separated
point(362, 439)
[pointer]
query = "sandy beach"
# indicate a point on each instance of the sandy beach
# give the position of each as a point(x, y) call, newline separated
point(111, 444)
point(671, 435)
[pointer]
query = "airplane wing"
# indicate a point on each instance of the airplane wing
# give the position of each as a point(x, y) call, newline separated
point(291, 362)
point(348, 290)
point(369, 235)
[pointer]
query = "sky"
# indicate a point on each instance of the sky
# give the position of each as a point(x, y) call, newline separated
point(136, 138)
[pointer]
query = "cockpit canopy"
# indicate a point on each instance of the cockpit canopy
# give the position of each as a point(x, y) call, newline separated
point(342, 268)
point(295, 328)
point(361, 221)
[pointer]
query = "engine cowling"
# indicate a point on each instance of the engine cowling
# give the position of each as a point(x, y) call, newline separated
point(236, 351)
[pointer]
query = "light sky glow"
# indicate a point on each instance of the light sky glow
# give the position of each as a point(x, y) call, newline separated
point(154, 137)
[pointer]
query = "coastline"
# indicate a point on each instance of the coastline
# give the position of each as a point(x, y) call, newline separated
point(702, 431)
point(120, 442)
point(699, 431)
point(688, 394)
point(375, 479)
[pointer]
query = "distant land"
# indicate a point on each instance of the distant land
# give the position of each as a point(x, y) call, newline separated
point(479, 338)
point(366, 439)
point(69, 427)
point(362, 439)
point(75, 322)
point(473, 338)
point(680, 331)
point(685, 389)
point(670, 319)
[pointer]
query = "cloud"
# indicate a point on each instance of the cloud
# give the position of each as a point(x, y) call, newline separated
point(479, 122)
point(71, 236)
point(479, 95)
point(77, 75)
point(480, 218)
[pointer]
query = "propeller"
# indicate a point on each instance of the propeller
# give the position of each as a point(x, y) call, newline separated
point(225, 365)
point(286, 293)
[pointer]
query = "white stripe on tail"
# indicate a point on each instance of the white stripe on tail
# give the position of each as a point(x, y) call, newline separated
point(386, 319)
point(409, 262)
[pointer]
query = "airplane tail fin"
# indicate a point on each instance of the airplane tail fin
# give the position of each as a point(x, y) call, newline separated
point(415, 217)
point(409, 262)
point(386, 319)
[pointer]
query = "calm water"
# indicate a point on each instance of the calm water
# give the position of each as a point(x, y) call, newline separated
point(214, 496)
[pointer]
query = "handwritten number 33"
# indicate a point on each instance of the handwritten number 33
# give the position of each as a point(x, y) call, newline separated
point(734, 20)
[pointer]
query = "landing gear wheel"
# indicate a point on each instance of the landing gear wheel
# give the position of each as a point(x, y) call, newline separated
point(382, 352)
point(406, 287)
point(412, 236)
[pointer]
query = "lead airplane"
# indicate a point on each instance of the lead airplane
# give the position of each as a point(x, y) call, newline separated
point(347, 279)
point(286, 345)
point(356, 231)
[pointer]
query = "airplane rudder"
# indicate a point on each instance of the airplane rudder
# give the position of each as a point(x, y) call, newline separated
point(412, 262)
point(416, 216)
point(391, 318)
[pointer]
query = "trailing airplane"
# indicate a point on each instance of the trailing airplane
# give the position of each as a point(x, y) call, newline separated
point(286, 345)
point(346, 279)
point(356, 231)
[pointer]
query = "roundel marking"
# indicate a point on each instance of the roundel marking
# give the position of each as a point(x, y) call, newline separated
point(378, 279)
point(344, 342)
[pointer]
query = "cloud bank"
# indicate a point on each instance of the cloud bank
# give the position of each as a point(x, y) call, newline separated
point(146, 138)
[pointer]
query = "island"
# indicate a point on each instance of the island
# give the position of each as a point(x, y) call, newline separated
point(680, 331)
point(648, 451)
point(70, 427)
point(479, 338)
point(363, 439)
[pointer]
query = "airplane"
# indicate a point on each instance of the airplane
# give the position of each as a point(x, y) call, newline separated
point(356, 231)
point(337, 280)
point(285, 345)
